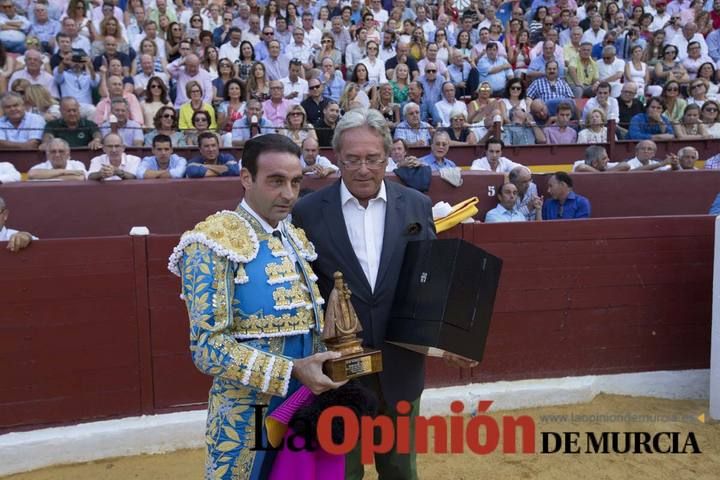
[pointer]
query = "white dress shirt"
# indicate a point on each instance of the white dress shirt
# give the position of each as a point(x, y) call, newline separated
point(365, 228)
point(6, 233)
point(504, 165)
point(129, 163)
point(71, 165)
point(8, 173)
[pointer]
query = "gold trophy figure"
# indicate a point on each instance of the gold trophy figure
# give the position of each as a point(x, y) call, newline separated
point(340, 335)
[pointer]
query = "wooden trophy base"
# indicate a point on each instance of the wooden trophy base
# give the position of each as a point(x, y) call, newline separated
point(353, 365)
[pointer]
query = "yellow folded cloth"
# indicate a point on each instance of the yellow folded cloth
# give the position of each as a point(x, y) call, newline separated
point(459, 212)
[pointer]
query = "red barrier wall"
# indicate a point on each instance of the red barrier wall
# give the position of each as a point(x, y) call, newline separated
point(80, 209)
point(94, 328)
point(69, 332)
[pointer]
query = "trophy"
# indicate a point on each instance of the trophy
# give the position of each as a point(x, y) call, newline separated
point(340, 335)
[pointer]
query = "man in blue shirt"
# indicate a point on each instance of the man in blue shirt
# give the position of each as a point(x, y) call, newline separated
point(76, 79)
point(651, 125)
point(565, 204)
point(494, 70)
point(506, 211)
point(212, 162)
point(19, 129)
point(163, 163)
point(438, 149)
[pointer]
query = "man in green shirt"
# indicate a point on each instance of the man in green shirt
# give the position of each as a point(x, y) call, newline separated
point(78, 132)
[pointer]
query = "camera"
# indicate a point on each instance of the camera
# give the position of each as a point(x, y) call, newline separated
point(78, 55)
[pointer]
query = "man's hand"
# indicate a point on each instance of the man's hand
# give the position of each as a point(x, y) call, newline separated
point(672, 160)
point(19, 241)
point(95, 144)
point(107, 171)
point(537, 202)
point(309, 372)
point(454, 360)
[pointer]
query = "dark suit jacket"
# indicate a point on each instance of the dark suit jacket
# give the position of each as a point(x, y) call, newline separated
point(320, 215)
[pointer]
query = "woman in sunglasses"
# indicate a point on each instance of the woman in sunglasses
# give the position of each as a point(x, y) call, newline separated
point(156, 97)
point(165, 123)
point(327, 49)
point(674, 103)
point(670, 68)
point(709, 114)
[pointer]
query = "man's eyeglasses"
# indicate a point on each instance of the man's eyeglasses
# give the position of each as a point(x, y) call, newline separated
point(269, 33)
point(430, 71)
point(371, 163)
point(313, 87)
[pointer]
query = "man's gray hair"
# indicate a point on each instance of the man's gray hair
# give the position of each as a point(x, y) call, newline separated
point(686, 150)
point(57, 141)
point(116, 100)
point(645, 142)
point(594, 153)
point(609, 50)
point(408, 106)
point(515, 173)
point(11, 96)
point(362, 117)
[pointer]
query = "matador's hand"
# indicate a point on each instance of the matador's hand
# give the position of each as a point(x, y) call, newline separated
point(309, 372)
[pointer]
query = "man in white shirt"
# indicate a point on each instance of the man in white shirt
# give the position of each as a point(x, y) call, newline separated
point(356, 50)
point(231, 49)
point(312, 33)
point(493, 161)
point(688, 34)
point(58, 165)
point(604, 102)
point(8, 173)
point(449, 105)
point(660, 14)
point(595, 33)
point(380, 15)
point(312, 162)
point(644, 157)
point(16, 240)
point(114, 164)
point(300, 49)
point(611, 70)
point(295, 87)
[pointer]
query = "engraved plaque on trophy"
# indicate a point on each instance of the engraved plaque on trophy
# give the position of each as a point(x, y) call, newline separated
point(340, 335)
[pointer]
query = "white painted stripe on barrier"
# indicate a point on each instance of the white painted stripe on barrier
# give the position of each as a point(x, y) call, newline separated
point(715, 333)
point(24, 451)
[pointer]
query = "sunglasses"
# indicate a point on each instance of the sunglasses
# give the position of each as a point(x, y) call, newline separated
point(516, 87)
point(295, 114)
point(430, 71)
point(314, 87)
point(672, 89)
point(711, 109)
point(168, 115)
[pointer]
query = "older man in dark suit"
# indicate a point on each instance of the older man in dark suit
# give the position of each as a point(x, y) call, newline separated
point(360, 226)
